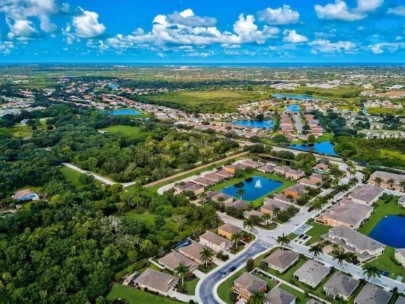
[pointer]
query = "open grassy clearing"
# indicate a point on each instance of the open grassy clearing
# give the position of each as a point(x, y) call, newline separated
point(131, 131)
point(207, 101)
point(316, 231)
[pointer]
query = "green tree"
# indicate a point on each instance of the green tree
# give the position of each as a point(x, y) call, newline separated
point(283, 240)
point(371, 271)
point(206, 255)
point(316, 250)
point(182, 270)
point(236, 238)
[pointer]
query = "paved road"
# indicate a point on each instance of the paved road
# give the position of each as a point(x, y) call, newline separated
point(96, 176)
point(205, 287)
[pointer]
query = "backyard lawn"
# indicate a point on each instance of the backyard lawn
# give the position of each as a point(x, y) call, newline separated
point(381, 209)
point(136, 296)
point(386, 262)
point(191, 285)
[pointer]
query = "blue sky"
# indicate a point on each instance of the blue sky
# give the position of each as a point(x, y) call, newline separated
point(202, 31)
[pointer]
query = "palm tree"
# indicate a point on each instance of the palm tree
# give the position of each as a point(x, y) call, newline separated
point(283, 240)
point(266, 218)
point(340, 256)
point(316, 250)
point(248, 223)
point(240, 192)
point(378, 181)
point(256, 297)
point(206, 255)
point(236, 237)
point(182, 270)
point(390, 183)
point(276, 212)
point(371, 271)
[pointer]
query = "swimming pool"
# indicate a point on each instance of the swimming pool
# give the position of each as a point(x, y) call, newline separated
point(125, 112)
point(390, 231)
point(252, 188)
point(292, 108)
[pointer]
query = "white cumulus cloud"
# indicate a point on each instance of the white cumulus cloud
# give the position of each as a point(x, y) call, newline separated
point(390, 47)
point(87, 25)
point(398, 10)
point(326, 46)
point(340, 11)
point(185, 28)
point(293, 37)
point(279, 16)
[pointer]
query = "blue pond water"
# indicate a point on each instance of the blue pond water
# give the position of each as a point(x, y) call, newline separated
point(293, 96)
point(113, 86)
point(292, 108)
point(125, 112)
point(251, 191)
point(390, 231)
point(267, 124)
point(325, 147)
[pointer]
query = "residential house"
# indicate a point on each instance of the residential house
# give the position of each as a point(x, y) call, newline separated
point(279, 296)
point(270, 204)
point(340, 286)
point(189, 187)
point(173, 259)
point(350, 240)
point(372, 294)
point(156, 281)
point(214, 177)
point(193, 252)
point(215, 242)
point(267, 168)
point(228, 230)
point(321, 168)
point(251, 163)
point(400, 256)
point(202, 181)
point(238, 204)
point(230, 169)
point(281, 260)
point(313, 301)
point(366, 194)
point(295, 191)
point(250, 213)
point(311, 273)
point(25, 195)
point(224, 174)
point(247, 284)
point(314, 181)
point(345, 213)
point(219, 197)
point(388, 180)
point(281, 169)
point(282, 198)
point(294, 174)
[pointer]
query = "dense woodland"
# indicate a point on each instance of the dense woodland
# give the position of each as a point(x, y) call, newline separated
point(69, 246)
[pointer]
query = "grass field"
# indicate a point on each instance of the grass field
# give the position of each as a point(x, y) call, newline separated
point(133, 132)
point(316, 231)
point(73, 176)
point(256, 203)
point(208, 100)
point(386, 261)
point(17, 131)
point(136, 296)
point(191, 285)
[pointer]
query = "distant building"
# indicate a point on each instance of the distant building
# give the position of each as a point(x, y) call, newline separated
point(173, 259)
point(193, 252)
point(270, 205)
point(26, 195)
point(294, 174)
point(295, 191)
point(189, 187)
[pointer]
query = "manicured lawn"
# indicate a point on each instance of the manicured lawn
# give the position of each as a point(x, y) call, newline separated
point(258, 202)
point(301, 298)
point(191, 285)
point(316, 231)
point(133, 132)
point(381, 209)
point(136, 296)
point(386, 262)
